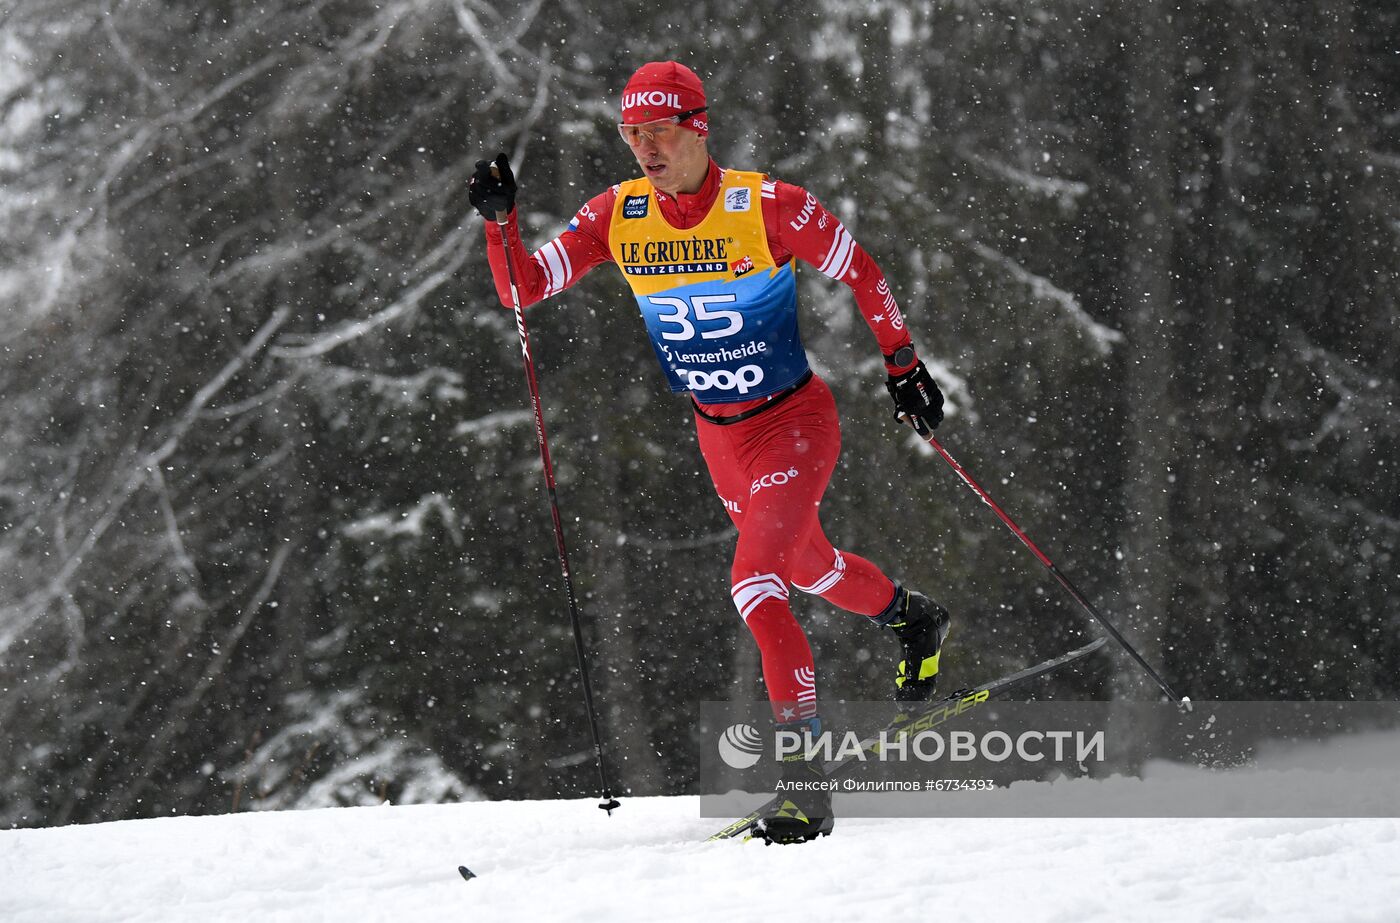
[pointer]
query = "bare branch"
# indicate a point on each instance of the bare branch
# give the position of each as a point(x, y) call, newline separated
point(118, 163)
point(1051, 187)
point(1103, 338)
point(231, 640)
point(472, 27)
point(407, 303)
point(33, 606)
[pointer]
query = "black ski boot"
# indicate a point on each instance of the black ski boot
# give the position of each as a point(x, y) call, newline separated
point(922, 625)
point(804, 813)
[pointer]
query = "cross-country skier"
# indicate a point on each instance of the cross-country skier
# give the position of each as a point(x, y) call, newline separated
point(710, 254)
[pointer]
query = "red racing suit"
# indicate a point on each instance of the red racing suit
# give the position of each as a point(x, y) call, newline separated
point(771, 456)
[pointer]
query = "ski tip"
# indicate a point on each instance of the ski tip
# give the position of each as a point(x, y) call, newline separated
point(466, 873)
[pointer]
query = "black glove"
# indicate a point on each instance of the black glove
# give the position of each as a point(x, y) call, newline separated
point(917, 400)
point(491, 194)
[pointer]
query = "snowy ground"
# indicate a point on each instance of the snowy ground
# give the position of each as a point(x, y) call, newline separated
point(566, 860)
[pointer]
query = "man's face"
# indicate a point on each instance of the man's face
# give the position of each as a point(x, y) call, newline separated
point(675, 159)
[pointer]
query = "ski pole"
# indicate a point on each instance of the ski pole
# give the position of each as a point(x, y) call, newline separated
point(927, 435)
point(609, 801)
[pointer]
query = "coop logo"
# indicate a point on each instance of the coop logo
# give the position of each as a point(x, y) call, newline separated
point(740, 746)
point(657, 98)
point(742, 266)
point(776, 479)
point(635, 206)
point(743, 379)
point(736, 200)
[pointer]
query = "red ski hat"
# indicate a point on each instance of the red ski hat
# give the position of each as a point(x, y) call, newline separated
point(663, 88)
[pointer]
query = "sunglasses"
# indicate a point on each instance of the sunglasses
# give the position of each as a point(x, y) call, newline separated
point(659, 130)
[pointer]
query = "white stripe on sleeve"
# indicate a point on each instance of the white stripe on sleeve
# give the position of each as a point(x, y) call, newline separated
point(839, 259)
point(567, 275)
point(539, 259)
point(558, 274)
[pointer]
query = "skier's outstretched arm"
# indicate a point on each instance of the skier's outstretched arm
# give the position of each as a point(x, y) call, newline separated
point(805, 228)
point(555, 266)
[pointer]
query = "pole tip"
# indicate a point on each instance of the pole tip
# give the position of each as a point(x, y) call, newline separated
point(609, 805)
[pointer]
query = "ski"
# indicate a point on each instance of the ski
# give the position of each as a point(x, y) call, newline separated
point(932, 715)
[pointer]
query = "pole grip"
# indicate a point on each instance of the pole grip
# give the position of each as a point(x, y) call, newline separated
point(502, 218)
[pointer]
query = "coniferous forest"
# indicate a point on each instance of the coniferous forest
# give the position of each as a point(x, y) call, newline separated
point(273, 530)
